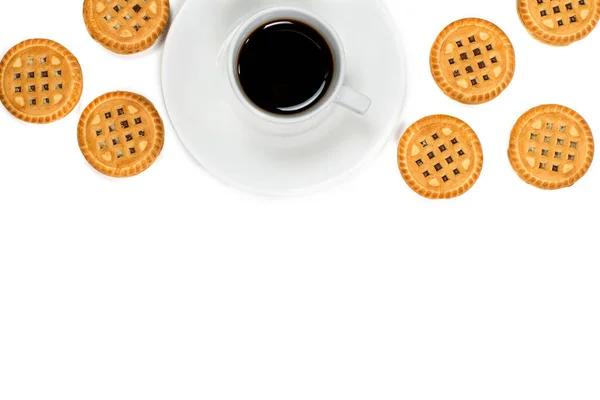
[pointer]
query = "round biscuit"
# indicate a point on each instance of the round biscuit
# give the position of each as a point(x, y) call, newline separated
point(551, 147)
point(120, 134)
point(559, 22)
point(472, 61)
point(440, 157)
point(40, 81)
point(126, 26)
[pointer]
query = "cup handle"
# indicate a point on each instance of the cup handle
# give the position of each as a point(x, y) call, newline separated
point(351, 99)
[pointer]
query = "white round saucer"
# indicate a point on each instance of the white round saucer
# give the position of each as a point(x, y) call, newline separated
point(196, 94)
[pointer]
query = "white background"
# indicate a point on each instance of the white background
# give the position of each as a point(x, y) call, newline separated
point(171, 286)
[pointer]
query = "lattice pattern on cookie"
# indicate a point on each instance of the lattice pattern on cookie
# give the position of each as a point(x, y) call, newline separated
point(36, 81)
point(126, 18)
point(120, 133)
point(552, 147)
point(473, 60)
point(441, 157)
point(561, 15)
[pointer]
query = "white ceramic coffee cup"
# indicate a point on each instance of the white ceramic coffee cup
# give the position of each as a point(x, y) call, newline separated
point(338, 92)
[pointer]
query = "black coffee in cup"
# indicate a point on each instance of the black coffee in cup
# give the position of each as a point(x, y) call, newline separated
point(285, 67)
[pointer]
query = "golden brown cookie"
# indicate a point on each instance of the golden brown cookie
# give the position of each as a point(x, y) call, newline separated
point(559, 22)
point(551, 147)
point(472, 61)
point(120, 134)
point(126, 26)
point(440, 157)
point(40, 81)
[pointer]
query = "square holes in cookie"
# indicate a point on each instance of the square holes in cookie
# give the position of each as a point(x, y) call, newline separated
point(127, 13)
point(562, 15)
point(441, 158)
point(119, 129)
point(476, 58)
